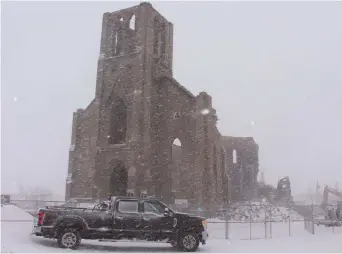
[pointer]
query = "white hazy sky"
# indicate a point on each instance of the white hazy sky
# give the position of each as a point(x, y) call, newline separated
point(275, 63)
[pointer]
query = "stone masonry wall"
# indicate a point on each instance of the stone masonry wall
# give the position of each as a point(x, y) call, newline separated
point(135, 69)
point(84, 152)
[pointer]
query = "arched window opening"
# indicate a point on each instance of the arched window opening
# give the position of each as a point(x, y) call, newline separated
point(176, 161)
point(234, 156)
point(177, 142)
point(118, 179)
point(118, 122)
point(132, 24)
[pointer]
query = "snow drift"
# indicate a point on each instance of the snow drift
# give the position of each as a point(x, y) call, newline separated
point(13, 213)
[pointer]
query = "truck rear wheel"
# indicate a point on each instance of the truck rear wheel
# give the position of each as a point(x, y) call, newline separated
point(189, 242)
point(69, 239)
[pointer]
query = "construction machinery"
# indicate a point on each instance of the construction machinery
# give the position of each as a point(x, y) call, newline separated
point(333, 216)
point(283, 192)
point(326, 192)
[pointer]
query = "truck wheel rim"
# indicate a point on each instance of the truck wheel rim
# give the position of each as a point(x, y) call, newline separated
point(69, 240)
point(189, 242)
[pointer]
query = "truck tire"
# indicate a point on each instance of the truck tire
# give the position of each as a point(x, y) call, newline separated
point(69, 239)
point(188, 242)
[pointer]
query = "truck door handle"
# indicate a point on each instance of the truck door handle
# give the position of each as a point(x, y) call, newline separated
point(146, 219)
point(119, 217)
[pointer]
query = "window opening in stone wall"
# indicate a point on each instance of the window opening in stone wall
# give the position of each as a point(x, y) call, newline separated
point(132, 24)
point(177, 142)
point(176, 159)
point(234, 156)
point(118, 122)
point(118, 179)
point(115, 42)
point(177, 152)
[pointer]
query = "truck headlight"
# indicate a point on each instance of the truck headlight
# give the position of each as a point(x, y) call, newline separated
point(204, 223)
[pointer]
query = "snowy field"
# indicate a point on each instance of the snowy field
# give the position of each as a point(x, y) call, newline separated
point(259, 230)
point(16, 226)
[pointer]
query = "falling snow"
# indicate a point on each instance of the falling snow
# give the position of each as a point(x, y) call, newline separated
point(145, 135)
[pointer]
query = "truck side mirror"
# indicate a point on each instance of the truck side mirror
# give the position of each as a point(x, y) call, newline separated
point(166, 212)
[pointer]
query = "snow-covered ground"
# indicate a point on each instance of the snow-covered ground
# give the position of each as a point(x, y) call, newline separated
point(13, 213)
point(261, 211)
point(16, 227)
point(259, 230)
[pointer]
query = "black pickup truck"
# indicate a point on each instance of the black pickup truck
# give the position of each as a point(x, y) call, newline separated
point(122, 218)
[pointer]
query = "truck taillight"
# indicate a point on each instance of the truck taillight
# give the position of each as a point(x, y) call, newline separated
point(41, 216)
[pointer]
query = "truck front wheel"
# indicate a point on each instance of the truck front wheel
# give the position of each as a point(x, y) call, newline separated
point(69, 239)
point(189, 242)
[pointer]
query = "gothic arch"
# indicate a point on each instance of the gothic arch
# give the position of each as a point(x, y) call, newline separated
point(176, 152)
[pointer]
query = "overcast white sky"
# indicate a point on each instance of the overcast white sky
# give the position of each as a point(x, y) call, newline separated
point(278, 64)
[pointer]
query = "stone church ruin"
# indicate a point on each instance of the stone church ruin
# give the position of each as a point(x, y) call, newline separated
point(123, 143)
